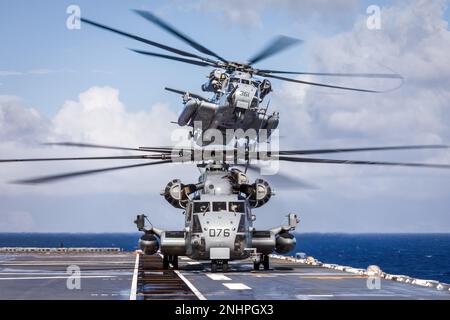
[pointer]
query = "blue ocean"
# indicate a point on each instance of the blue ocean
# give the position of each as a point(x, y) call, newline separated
point(425, 256)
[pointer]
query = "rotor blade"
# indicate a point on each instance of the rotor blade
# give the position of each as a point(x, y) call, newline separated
point(317, 84)
point(193, 95)
point(146, 41)
point(164, 56)
point(162, 24)
point(148, 157)
point(322, 151)
point(64, 176)
point(358, 162)
point(96, 146)
point(277, 45)
point(350, 75)
point(280, 180)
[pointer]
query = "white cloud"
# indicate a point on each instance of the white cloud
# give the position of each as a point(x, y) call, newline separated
point(249, 13)
point(43, 71)
point(98, 116)
point(6, 73)
point(414, 41)
point(49, 71)
point(101, 117)
point(20, 124)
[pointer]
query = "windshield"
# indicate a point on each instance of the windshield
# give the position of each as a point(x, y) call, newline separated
point(219, 206)
point(237, 207)
point(200, 207)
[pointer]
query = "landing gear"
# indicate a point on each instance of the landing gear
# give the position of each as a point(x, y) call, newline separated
point(216, 264)
point(213, 266)
point(225, 266)
point(264, 260)
point(165, 262)
point(167, 259)
point(174, 262)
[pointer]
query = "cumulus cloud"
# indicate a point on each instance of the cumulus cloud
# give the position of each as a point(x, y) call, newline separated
point(100, 116)
point(97, 116)
point(20, 124)
point(105, 202)
point(249, 14)
point(414, 41)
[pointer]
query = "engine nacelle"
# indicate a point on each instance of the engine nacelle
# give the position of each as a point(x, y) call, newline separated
point(260, 193)
point(149, 244)
point(173, 193)
point(285, 242)
point(177, 193)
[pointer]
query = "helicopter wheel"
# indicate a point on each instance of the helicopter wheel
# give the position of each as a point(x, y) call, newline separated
point(225, 266)
point(213, 266)
point(266, 262)
point(174, 262)
point(165, 262)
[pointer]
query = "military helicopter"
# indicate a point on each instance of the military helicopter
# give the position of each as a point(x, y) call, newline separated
point(218, 208)
point(218, 221)
point(238, 89)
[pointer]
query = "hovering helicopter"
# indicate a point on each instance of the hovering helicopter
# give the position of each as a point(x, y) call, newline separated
point(238, 89)
point(219, 207)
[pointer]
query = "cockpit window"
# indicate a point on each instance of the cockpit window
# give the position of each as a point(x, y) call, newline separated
point(200, 207)
point(237, 207)
point(219, 206)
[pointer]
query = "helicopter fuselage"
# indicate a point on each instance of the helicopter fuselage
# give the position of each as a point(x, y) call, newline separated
point(218, 220)
point(235, 105)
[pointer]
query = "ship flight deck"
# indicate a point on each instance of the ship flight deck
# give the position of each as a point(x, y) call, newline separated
point(117, 275)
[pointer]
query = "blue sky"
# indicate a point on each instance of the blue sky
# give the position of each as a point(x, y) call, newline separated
point(35, 38)
point(44, 68)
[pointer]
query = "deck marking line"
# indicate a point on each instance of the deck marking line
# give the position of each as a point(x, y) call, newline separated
point(313, 296)
point(334, 277)
point(135, 278)
point(185, 258)
point(198, 294)
point(236, 286)
point(55, 277)
point(217, 276)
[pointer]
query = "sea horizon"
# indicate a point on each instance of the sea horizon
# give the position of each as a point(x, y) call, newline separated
point(419, 255)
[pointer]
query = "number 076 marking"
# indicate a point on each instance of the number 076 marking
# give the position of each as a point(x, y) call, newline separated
point(219, 232)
